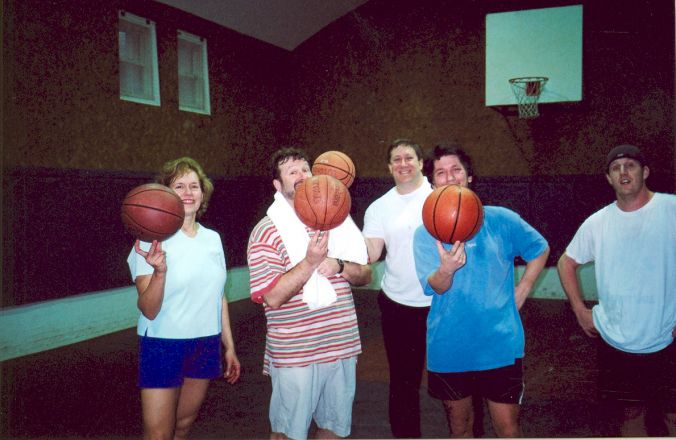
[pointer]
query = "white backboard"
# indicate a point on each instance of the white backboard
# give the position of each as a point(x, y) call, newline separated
point(536, 42)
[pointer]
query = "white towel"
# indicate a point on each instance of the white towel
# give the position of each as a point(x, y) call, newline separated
point(345, 242)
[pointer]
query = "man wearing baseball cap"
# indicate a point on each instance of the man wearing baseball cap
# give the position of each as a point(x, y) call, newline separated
point(624, 151)
point(632, 243)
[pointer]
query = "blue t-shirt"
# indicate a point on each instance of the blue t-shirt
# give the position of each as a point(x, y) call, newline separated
point(475, 325)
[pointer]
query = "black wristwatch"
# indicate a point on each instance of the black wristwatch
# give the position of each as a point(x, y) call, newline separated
point(341, 263)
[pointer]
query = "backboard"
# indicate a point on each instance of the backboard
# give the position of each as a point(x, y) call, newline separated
point(536, 42)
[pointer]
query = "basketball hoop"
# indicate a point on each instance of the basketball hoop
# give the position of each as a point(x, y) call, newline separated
point(527, 91)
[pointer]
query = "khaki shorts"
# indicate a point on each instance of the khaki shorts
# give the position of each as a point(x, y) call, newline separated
point(323, 392)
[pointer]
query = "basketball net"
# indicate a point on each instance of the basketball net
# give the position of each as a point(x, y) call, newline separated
point(527, 91)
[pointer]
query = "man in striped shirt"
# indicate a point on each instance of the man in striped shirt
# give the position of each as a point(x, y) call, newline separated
point(310, 353)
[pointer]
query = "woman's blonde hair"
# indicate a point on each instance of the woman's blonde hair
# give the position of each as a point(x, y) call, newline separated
point(176, 168)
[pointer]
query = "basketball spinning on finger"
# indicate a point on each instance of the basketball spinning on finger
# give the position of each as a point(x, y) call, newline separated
point(336, 164)
point(152, 212)
point(453, 213)
point(322, 202)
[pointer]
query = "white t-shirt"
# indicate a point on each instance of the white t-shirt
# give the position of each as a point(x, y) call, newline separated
point(635, 266)
point(194, 286)
point(394, 218)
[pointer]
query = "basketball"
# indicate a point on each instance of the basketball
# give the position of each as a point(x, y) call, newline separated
point(453, 213)
point(152, 212)
point(336, 164)
point(322, 202)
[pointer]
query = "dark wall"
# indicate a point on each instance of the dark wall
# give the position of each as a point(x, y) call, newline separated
point(64, 235)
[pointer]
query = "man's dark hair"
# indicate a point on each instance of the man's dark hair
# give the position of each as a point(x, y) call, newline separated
point(284, 154)
point(406, 143)
point(449, 149)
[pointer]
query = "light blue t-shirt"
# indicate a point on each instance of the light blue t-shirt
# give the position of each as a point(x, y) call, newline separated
point(193, 288)
point(634, 256)
point(475, 325)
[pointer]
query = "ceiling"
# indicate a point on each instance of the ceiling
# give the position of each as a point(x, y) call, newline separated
point(283, 23)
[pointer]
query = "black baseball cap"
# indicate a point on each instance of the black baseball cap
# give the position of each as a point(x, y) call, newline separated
point(625, 150)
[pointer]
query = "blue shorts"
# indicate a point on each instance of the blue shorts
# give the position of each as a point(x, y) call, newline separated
point(323, 392)
point(500, 385)
point(163, 363)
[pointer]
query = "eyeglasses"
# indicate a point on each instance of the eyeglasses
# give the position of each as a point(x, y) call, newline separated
point(399, 160)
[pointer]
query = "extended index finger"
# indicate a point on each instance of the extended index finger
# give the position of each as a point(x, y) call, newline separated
point(137, 248)
point(320, 237)
point(458, 248)
point(440, 248)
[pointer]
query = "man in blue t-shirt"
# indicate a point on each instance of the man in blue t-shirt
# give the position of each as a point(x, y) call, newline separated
point(475, 339)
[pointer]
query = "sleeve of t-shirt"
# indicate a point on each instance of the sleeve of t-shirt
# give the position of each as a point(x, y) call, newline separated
point(137, 264)
point(530, 244)
point(372, 224)
point(265, 269)
point(221, 257)
point(581, 247)
point(426, 258)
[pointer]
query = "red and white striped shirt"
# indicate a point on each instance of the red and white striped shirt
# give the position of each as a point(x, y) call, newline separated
point(296, 335)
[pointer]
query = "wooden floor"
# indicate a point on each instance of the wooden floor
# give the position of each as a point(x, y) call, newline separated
point(88, 390)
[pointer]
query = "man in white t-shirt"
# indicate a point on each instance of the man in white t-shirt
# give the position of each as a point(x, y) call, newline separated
point(389, 223)
point(632, 242)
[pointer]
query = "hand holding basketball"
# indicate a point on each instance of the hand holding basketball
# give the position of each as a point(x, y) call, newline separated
point(336, 164)
point(453, 213)
point(322, 202)
point(317, 248)
point(155, 256)
point(452, 259)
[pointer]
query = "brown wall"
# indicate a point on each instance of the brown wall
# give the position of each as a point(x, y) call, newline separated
point(62, 105)
point(392, 68)
point(400, 68)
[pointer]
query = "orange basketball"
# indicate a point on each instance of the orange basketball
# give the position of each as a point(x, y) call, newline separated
point(152, 212)
point(453, 213)
point(336, 164)
point(322, 202)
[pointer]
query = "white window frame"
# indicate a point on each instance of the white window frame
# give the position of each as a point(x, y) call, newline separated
point(146, 90)
point(197, 77)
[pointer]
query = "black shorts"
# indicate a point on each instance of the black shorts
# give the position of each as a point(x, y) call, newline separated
point(500, 385)
point(638, 379)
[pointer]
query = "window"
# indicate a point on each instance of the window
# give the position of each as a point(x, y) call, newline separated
point(193, 74)
point(139, 78)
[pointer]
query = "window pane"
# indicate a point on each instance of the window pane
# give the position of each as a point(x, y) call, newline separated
point(196, 60)
point(184, 61)
point(193, 84)
point(132, 47)
point(138, 60)
point(131, 79)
